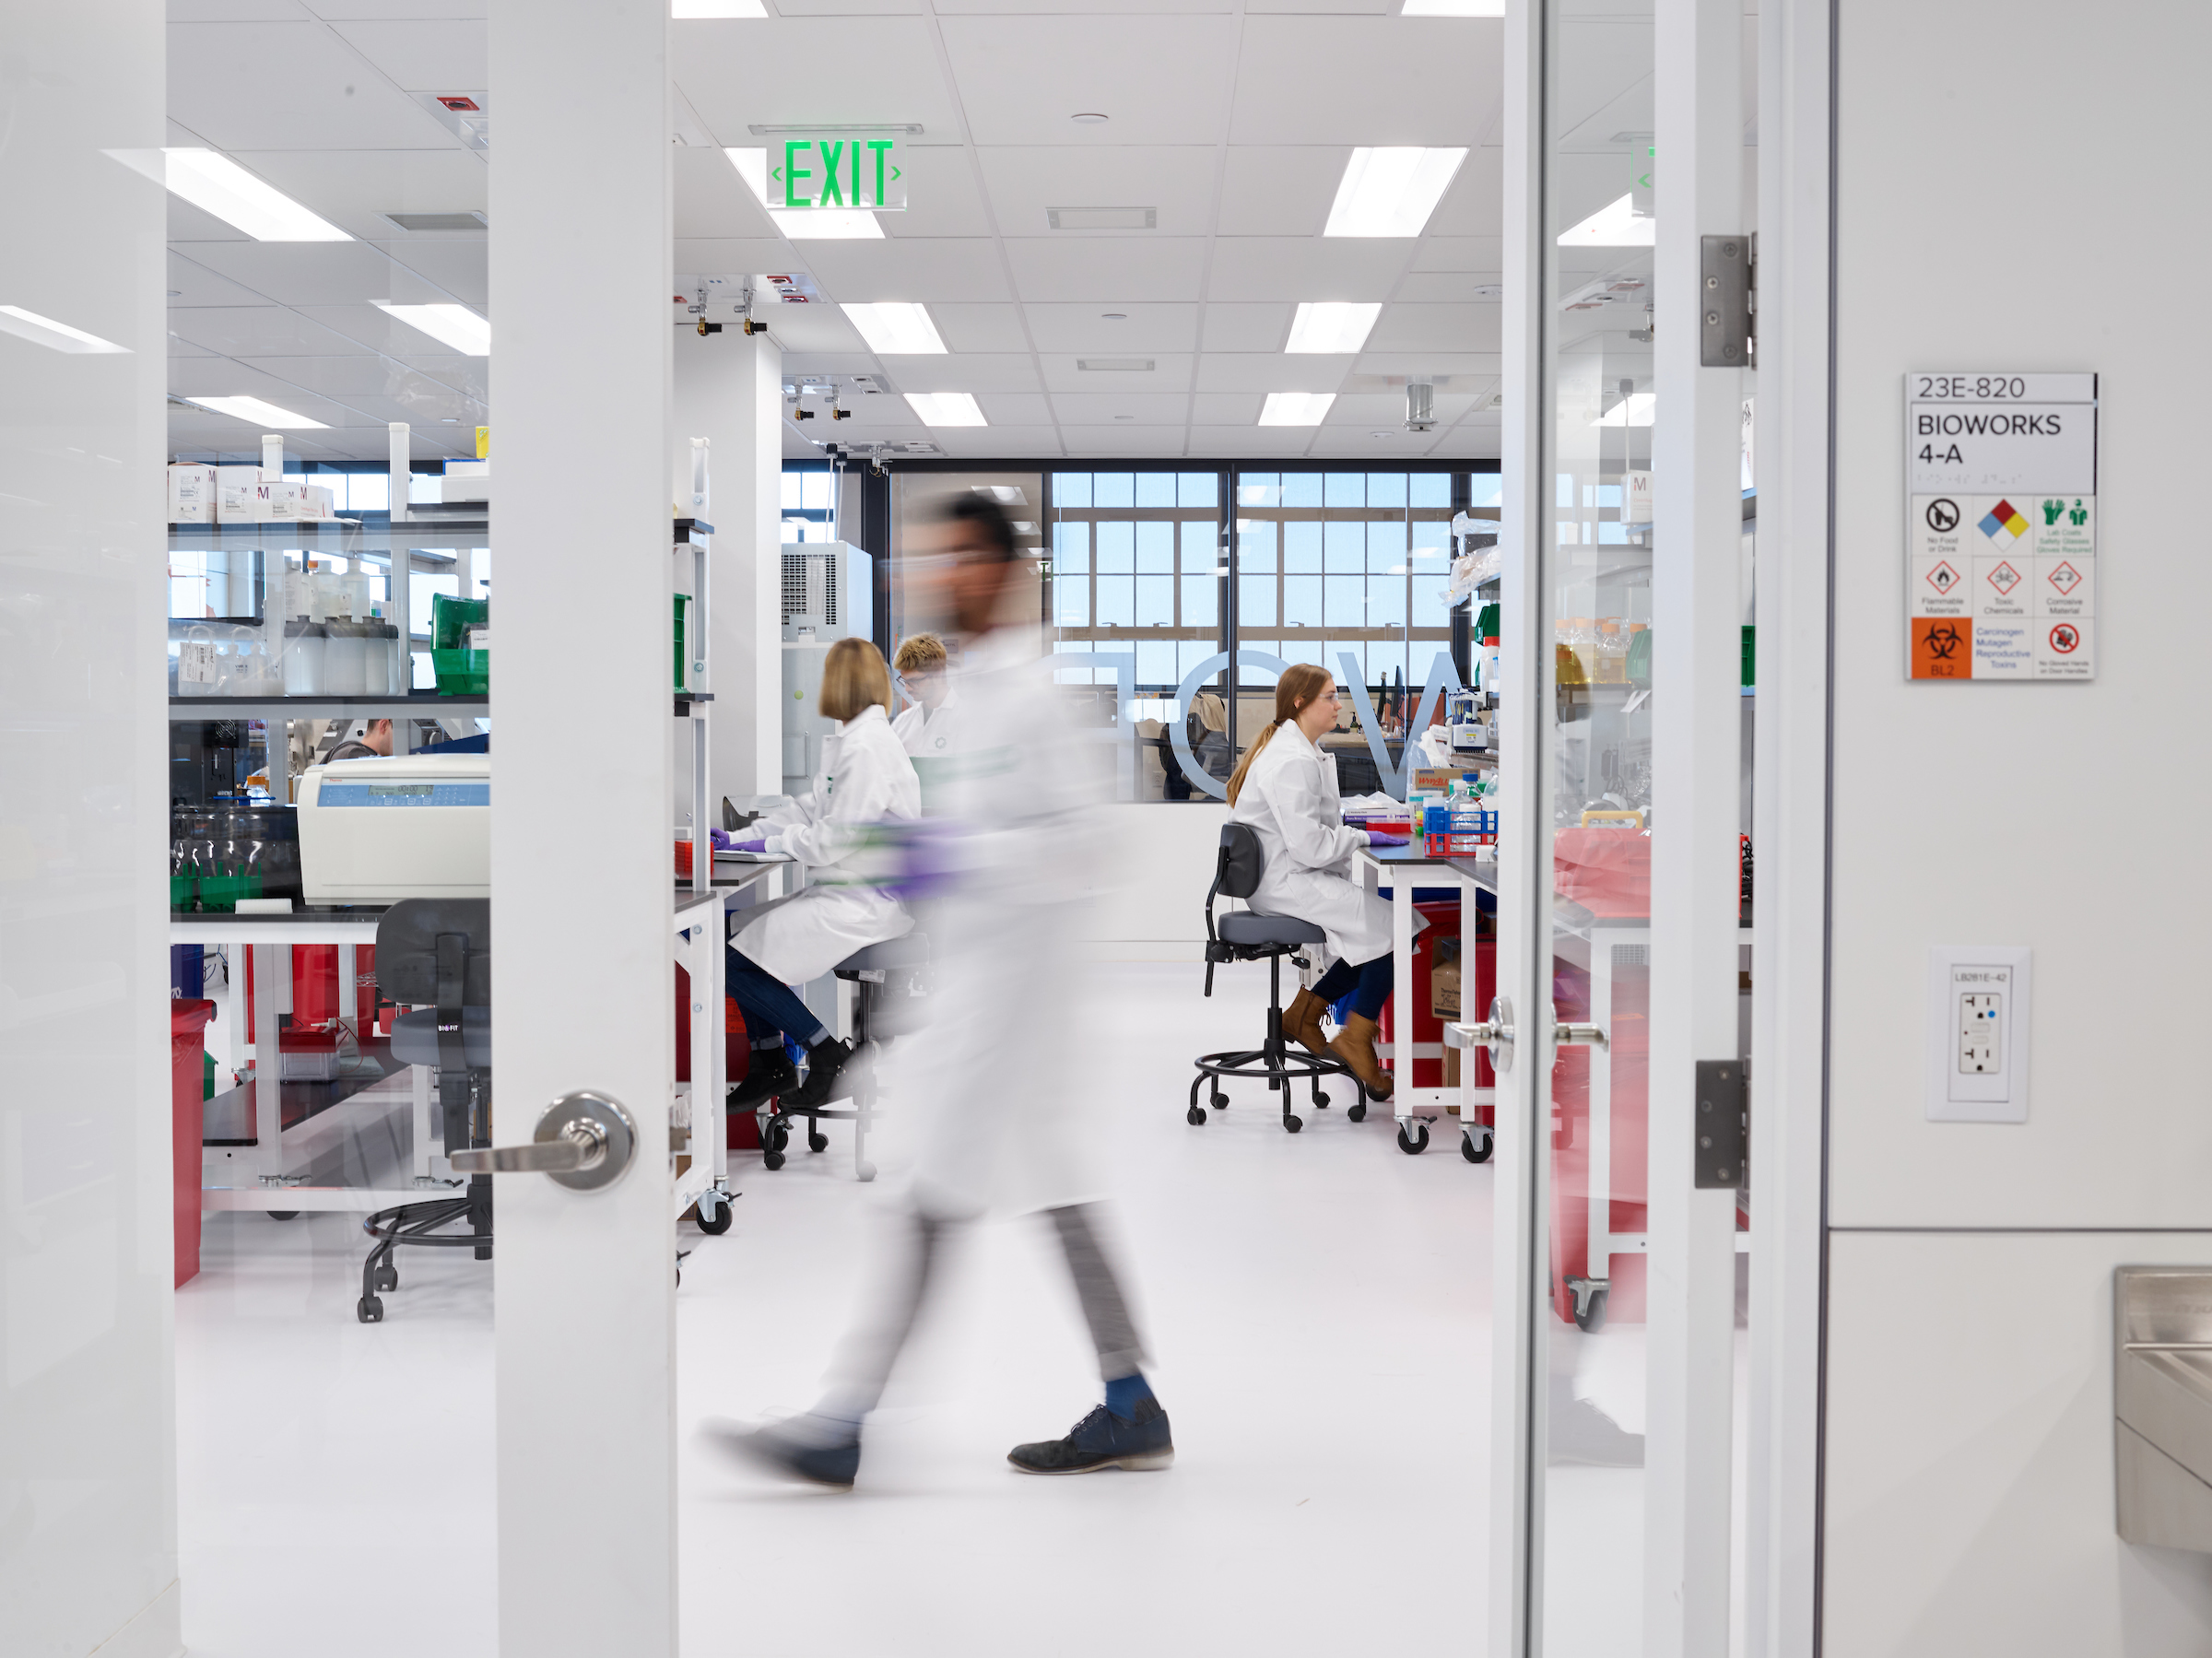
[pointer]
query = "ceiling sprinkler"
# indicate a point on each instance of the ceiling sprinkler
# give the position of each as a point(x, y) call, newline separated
point(744, 315)
point(1420, 405)
point(835, 412)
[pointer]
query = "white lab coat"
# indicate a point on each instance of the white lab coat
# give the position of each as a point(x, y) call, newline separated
point(1290, 801)
point(926, 734)
point(865, 778)
point(998, 1082)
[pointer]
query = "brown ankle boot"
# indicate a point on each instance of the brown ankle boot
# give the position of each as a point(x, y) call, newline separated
point(1301, 1023)
point(1355, 1046)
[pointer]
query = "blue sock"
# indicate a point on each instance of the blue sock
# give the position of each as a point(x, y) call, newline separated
point(1125, 1394)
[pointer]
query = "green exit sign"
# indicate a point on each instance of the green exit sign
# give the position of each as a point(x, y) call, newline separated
point(840, 172)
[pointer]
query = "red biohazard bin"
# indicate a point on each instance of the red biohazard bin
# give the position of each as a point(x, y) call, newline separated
point(1442, 916)
point(744, 1130)
point(187, 1020)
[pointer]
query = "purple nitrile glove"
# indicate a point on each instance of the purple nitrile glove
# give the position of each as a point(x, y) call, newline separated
point(758, 844)
point(1377, 837)
point(721, 838)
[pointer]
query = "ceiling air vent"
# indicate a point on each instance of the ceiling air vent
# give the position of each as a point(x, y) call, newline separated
point(913, 447)
point(438, 221)
point(1102, 219)
point(1114, 365)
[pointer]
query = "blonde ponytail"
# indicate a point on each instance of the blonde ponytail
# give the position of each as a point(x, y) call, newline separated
point(1300, 684)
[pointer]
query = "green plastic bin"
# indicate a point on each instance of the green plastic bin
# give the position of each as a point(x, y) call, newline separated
point(462, 673)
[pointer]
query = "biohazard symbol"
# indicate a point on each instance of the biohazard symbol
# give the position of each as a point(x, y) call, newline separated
point(1943, 641)
point(2065, 638)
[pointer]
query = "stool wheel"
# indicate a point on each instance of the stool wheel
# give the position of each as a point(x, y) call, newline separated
point(1220, 1100)
point(368, 1310)
point(1196, 1116)
point(1292, 1124)
point(1356, 1112)
point(818, 1142)
point(774, 1160)
point(387, 1276)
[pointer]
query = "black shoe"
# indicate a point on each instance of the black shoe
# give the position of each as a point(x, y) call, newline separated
point(823, 1061)
point(1102, 1440)
point(788, 1448)
point(769, 1074)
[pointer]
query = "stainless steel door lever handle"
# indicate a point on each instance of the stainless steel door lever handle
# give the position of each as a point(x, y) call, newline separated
point(584, 1141)
point(1496, 1033)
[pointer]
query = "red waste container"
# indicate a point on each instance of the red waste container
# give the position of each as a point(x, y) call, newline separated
point(187, 1019)
point(744, 1130)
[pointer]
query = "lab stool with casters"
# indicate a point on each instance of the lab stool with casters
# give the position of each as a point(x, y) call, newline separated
point(879, 973)
point(1243, 936)
point(437, 951)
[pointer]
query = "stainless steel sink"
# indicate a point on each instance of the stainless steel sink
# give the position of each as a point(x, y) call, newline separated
point(2162, 1404)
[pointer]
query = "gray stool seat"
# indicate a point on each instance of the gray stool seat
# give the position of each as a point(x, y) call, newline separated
point(891, 954)
point(415, 1036)
point(1246, 927)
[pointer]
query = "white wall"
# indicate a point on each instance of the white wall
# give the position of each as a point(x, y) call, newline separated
point(2010, 176)
point(1148, 904)
point(88, 1455)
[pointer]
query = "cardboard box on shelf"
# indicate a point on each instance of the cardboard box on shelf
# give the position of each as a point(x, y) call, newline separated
point(1443, 981)
point(287, 501)
point(240, 496)
point(190, 494)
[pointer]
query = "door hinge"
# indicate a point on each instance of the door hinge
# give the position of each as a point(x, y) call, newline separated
point(1728, 301)
point(1722, 1125)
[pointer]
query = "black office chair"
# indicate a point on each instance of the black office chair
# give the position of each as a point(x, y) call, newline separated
point(434, 956)
point(1245, 936)
point(885, 976)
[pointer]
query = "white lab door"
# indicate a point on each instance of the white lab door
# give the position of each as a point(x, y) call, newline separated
point(582, 878)
point(1622, 939)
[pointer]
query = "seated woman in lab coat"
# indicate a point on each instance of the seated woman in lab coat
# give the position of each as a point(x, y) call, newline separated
point(923, 728)
point(1285, 790)
point(865, 779)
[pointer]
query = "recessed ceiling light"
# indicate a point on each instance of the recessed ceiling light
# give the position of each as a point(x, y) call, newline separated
point(897, 328)
point(1383, 434)
point(258, 412)
point(1114, 365)
point(453, 325)
point(1102, 219)
point(216, 185)
point(1615, 225)
point(55, 336)
point(1449, 8)
point(717, 8)
point(1296, 409)
point(1390, 192)
point(1332, 326)
point(1087, 118)
point(1114, 316)
point(802, 224)
point(946, 408)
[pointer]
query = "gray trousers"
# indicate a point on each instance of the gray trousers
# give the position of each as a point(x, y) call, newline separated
point(869, 1350)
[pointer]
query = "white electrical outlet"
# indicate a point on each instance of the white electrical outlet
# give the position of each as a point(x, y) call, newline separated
point(1977, 1034)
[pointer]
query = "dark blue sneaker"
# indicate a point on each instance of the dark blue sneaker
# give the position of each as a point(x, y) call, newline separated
point(1102, 1440)
point(830, 1456)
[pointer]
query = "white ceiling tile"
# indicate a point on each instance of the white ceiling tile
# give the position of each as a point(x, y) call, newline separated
point(1021, 79)
point(737, 255)
point(256, 331)
point(1087, 7)
point(1124, 442)
point(346, 11)
point(1375, 409)
point(1108, 269)
point(1480, 253)
point(943, 198)
point(830, 362)
point(856, 272)
point(1602, 63)
point(814, 8)
point(425, 413)
point(1016, 408)
point(1175, 180)
point(316, 273)
point(1441, 287)
point(1013, 443)
point(980, 327)
point(1467, 371)
point(1243, 441)
point(1170, 373)
point(188, 223)
point(712, 201)
point(1353, 443)
point(1083, 329)
point(1367, 80)
point(376, 330)
point(1365, 9)
point(354, 188)
point(1075, 408)
point(1260, 327)
point(221, 377)
point(1475, 206)
point(358, 374)
point(183, 348)
point(1269, 371)
point(1292, 267)
point(459, 266)
point(304, 82)
point(425, 54)
point(197, 284)
point(1470, 327)
point(813, 329)
point(1225, 408)
point(236, 11)
point(967, 372)
point(786, 70)
point(1279, 189)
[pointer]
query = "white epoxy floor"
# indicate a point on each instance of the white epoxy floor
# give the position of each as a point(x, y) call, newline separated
point(1319, 1304)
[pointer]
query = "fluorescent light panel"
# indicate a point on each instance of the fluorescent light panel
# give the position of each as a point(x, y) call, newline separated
point(897, 328)
point(1332, 326)
point(717, 8)
point(453, 325)
point(55, 336)
point(1390, 192)
point(259, 412)
point(1615, 225)
point(803, 224)
point(216, 185)
point(1296, 409)
point(946, 408)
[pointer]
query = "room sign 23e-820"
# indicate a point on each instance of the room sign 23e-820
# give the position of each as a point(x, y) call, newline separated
point(2001, 526)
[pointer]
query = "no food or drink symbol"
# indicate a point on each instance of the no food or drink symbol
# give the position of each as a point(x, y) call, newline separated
point(2005, 578)
point(1943, 578)
point(1943, 515)
point(2065, 638)
point(2065, 578)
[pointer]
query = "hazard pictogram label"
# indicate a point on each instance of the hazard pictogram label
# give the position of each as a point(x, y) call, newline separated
point(1943, 578)
point(2065, 638)
point(2005, 578)
point(2065, 578)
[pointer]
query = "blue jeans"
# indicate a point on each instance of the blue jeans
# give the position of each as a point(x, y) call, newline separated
point(769, 1003)
point(1367, 984)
